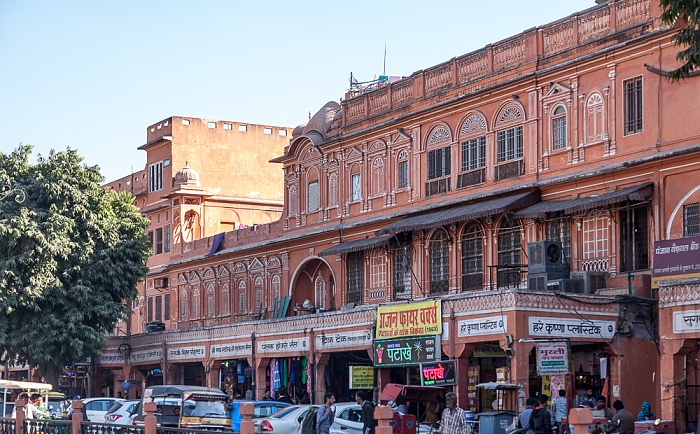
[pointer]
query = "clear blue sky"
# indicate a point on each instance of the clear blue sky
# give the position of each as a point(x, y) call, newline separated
point(92, 75)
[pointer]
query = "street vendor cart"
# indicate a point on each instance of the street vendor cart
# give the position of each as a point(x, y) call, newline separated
point(504, 412)
point(423, 398)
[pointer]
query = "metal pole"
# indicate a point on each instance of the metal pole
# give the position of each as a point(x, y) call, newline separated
point(255, 371)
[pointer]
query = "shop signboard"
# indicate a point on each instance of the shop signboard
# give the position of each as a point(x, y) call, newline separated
point(442, 373)
point(186, 353)
point(412, 319)
point(154, 355)
point(488, 350)
point(571, 328)
point(687, 321)
point(112, 359)
point(283, 345)
point(361, 377)
point(552, 358)
point(675, 259)
point(406, 351)
point(483, 326)
point(362, 338)
point(234, 350)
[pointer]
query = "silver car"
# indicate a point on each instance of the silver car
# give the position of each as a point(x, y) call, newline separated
point(285, 421)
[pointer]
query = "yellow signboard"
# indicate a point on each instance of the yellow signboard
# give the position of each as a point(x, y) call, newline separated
point(361, 377)
point(413, 319)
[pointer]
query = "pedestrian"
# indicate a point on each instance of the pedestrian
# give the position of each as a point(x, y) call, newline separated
point(282, 396)
point(453, 420)
point(28, 406)
point(524, 418)
point(587, 399)
point(623, 419)
point(602, 405)
point(646, 413)
point(40, 410)
point(368, 420)
point(325, 414)
point(267, 396)
point(541, 418)
point(560, 409)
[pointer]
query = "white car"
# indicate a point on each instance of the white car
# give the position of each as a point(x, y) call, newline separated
point(348, 419)
point(285, 421)
point(122, 413)
point(96, 408)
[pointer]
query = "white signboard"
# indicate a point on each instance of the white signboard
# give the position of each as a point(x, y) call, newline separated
point(552, 358)
point(570, 328)
point(283, 345)
point(233, 350)
point(686, 321)
point(361, 338)
point(146, 356)
point(482, 326)
point(111, 359)
point(445, 331)
point(186, 353)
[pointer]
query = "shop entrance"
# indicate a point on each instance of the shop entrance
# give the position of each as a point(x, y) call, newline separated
point(153, 374)
point(193, 374)
point(291, 374)
point(337, 374)
point(235, 378)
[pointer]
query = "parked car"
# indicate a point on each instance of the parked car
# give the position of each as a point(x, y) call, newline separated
point(122, 413)
point(285, 421)
point(348, 419)
point(95, 408)
point(261, 409)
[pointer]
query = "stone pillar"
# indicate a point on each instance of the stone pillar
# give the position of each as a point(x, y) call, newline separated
point(247, 424)
point(520, 364)
point(149, 421)
point(384, 416)
point(579, 419)
point(77, 418)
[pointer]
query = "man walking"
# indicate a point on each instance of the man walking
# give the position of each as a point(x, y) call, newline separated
point(623, 419)
point(560, 409)
point(453, 420)
point(325, 414)
point(368, 420)
point(541, 418)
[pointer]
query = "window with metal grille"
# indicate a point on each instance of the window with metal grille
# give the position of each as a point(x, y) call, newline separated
point(258, 298)
point(241, 300)
point(150, 309)
point(166, 307)
point(159, 241)
point(210, 306)
point(166, 245)
point(472, 258)
point(508, 254)
point(159, 308)
point(320, 290)
point(634, 239)
point(403, 174)
point(560, 230)
point(510, 144)
point(183, 309)
point(439, 163)
point(150, 240)
point(439, 263)
point(195, 306)
point(292, 200)
point(225, 310)
point(354, 265)
point(691, 220)
point(377, 269)
point(155, 177)
point(474, 154)
point(333, 189)
point(401, 267)
point(313, 197)
point(632, 89)
point(559, 128)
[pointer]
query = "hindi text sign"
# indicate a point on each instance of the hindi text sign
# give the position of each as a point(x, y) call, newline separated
point(406, 351)
point(552, 358)
point(361, 377)
point(412, 319)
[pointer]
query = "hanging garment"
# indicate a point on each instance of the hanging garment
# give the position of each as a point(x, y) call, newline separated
point(292, 373)
point(305, 371)
point(308, 374)
point(276, 382)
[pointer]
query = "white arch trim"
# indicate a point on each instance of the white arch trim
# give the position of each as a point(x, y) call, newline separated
point(677, 209)
point(299, 267)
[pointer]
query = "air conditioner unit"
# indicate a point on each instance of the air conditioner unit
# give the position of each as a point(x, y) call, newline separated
point(545, 257)
point(539, 281)
point(566, 285)
point(592, 280)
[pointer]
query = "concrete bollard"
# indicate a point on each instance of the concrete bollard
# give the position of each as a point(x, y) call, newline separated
point(247, 424)
point(384, 416)
point(579, 419)
point(150, 422)
point(77, 418)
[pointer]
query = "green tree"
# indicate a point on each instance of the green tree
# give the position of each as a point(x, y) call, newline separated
point(687, 36)
point(71, 255)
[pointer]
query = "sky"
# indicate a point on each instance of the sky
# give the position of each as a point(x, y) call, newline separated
point(93, 75)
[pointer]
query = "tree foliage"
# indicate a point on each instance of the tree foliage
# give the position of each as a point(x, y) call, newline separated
point(71, 255)
point(687, 36)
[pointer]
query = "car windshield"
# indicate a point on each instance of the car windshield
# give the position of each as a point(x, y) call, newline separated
point(114, 407)
point(202, 407)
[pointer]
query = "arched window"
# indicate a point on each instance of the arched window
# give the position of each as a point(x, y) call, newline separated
point(595, 118)
point(333, 189)
point(292, 200)
point(195, 304)
point(378, 176)
point(258, 284)
point(402, 169)
point(183, 306)
point(241, 297)
point(275, 288)
point(320, 289)
point(559, 131)
point(508, 253)
point(225, 310)
point(509, 137)
point(439, 263)
point(472, 258)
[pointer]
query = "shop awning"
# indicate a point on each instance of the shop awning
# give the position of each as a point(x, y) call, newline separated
point(401, 393)
point(461, 213)
point(638, 193)
point(357, 245)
